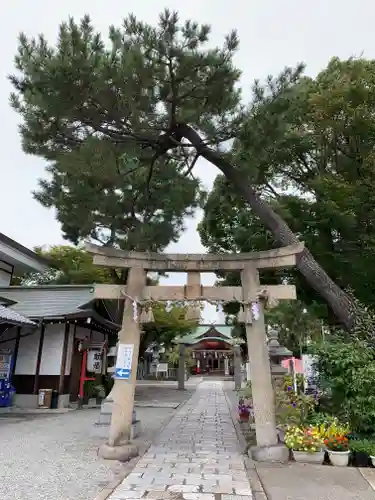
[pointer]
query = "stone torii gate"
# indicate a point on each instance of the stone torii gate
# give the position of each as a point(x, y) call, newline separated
point(252, 297)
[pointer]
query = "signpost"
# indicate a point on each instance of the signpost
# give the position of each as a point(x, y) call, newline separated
point(124, 361)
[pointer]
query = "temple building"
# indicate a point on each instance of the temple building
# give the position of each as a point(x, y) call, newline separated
point(42, 329)
point(212, 347)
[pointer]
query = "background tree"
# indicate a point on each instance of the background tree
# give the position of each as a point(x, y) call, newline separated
point(160, 88)
point(167, 326)
point(296, 324)
point(311, 153)
point(69, 266)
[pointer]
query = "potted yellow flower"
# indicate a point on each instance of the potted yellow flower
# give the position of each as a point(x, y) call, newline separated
point(305, 443)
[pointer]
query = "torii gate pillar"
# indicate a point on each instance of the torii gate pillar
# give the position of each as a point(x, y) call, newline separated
point(268, 447)
point(118, 446)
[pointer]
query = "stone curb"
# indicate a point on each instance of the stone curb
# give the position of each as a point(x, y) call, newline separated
point(252, 474)
point(367, 476)
point(236, 424)
point(112, 485)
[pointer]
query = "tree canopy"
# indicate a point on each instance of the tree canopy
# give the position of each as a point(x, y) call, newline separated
point(311, 154)
point(159, 90)
point(69, 266)
point(98, 193)
point(297, 325)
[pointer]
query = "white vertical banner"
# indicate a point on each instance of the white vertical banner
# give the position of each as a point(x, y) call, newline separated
point(124, 361)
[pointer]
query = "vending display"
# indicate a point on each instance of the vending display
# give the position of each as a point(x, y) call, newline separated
point(6, 389)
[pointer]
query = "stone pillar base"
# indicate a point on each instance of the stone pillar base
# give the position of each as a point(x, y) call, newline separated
point(101, 427)
point(123, 452)
point(101, 430)
point(273, 453)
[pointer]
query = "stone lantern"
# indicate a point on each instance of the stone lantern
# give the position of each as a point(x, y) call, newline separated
point(277, 353)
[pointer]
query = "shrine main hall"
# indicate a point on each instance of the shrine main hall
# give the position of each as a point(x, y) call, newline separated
point(212, 349)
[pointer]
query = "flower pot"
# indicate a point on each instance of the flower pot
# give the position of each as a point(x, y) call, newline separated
point(339, 458)
point(305, 457)
point(244, 417)
point(360, 459)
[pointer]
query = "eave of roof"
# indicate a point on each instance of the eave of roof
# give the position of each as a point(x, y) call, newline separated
point(10, 317)
point(17, 246)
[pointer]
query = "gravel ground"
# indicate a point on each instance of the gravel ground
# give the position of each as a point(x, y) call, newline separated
point(55, 458)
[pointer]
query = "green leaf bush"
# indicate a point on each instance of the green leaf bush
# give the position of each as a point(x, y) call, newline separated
point(346, 375)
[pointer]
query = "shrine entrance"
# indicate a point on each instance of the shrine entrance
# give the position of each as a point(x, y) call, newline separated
point(252, 298)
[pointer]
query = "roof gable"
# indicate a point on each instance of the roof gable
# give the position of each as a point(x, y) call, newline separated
point(224, 332)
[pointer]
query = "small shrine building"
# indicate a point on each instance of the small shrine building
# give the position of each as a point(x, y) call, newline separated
point(212, 347)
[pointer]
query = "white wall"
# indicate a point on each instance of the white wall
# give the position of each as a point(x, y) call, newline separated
point(52, 349)
point(4, 278)
point(27, 354)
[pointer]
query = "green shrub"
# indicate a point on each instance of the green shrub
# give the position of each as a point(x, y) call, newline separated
point(362, 446)
point(347, 373)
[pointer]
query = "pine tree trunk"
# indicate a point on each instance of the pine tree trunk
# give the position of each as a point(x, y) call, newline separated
point(315, 275)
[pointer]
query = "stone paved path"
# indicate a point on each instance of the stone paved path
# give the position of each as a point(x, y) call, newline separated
point(196, 457)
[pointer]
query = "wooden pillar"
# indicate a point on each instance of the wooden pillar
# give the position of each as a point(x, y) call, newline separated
point(262, 390)
point(123, 390)
point(15, 352)
point(64, 358)
point(39, 358)
point(181, 368)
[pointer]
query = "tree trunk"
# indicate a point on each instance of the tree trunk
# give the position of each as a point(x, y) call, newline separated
point(315, 275)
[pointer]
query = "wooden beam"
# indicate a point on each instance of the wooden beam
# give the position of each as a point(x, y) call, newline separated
point(39, 358)
point(214, 293)
point(64, 358)
point(15, 352)
point(270, 259)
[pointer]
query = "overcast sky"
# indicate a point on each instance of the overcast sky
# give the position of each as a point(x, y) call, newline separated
point(273, 34)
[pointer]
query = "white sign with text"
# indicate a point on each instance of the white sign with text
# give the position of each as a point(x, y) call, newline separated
point(124, 361)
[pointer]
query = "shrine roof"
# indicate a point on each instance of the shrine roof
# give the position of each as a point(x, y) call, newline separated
point(207, 332)
point(51, 302)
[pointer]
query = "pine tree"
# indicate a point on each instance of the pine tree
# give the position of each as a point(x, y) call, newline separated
point(159, 87)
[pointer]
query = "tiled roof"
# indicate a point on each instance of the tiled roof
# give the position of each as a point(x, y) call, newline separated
point(39, 302)
point(193, 337)
point(11, 317)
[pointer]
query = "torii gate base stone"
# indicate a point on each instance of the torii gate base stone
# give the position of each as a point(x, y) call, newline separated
point(119, 446)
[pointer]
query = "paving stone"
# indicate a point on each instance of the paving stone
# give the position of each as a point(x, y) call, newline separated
point(235, 497)
point(126, 494)
point(199, 496)
point(164, 495)
point(196, 457)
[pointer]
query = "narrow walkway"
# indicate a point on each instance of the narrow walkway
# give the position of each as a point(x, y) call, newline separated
point(196, 457)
